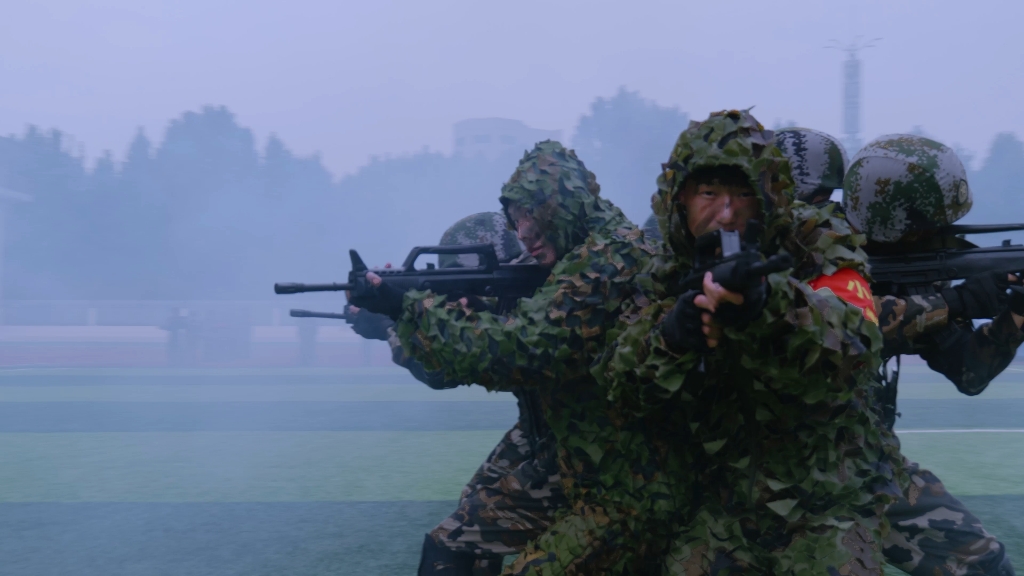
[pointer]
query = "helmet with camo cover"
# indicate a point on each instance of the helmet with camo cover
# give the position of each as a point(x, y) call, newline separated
point(482, 228)
point(902, 184)
point(817, 162)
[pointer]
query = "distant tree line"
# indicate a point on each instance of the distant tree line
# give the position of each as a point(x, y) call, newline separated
point(204, 214)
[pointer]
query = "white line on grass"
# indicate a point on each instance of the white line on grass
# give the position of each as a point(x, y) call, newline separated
point(961, 431)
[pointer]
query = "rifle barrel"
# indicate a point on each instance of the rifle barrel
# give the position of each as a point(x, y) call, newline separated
point(981, 228)
point(294, 288)
point(308, 314)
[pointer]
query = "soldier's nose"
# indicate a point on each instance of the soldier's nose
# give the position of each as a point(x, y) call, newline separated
point(726, 214)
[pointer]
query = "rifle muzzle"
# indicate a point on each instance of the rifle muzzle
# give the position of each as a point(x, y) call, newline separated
point(293, 288)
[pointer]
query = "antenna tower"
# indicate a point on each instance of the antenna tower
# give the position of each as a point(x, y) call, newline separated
point(851, 91)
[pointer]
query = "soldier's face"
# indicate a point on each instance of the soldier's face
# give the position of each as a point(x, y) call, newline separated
point(532, 236)
point(711, 207)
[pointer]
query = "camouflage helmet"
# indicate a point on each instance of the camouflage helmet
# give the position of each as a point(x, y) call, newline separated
point(900, 184)
point(817, 161)
point(485, 227)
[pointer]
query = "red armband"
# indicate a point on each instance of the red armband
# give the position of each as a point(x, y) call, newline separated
point(850, 287)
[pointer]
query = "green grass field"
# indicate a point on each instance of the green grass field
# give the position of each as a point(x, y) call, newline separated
point(224, 472)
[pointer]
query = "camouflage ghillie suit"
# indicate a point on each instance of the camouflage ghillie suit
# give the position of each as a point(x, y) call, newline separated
point(549, 341)
point(792, 465)
point(482, 228)
point(514, 493)
point(899, 186)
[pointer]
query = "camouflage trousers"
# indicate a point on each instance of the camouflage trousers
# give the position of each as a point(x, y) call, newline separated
point(510, 500)
point(933, 534)
point(715, 543)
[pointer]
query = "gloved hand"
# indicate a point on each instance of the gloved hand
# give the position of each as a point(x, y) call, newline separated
point(380, 299)
point(369, 325)
point(1017, 300)
point(682, 327)
point(980, 296)
point(739, 315)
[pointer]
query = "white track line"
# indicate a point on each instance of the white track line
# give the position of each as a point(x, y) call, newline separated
point(961, 431)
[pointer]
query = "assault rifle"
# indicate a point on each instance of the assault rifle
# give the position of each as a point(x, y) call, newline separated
point(912, 268)
point(505, 282)
point(734, 262)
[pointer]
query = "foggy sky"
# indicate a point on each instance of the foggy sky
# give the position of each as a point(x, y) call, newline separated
point(354, 79)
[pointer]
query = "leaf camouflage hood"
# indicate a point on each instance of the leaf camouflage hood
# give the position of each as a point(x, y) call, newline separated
point(563, 196)
point(726, 138)
point(819, 241)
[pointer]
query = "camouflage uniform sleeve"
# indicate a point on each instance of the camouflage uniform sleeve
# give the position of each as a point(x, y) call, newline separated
point(970, 358)
point(820, 356)
point(904, 320)
point(433, 378)
point(549, 337)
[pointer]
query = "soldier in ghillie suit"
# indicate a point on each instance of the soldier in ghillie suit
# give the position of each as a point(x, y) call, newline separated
point(513, 495)
point(549, 341)
point(931, 531)
point(968, 357)
point(766, 393)
point(902, 188)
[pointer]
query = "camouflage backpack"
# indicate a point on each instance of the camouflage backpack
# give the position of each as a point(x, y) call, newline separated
point(902, 184)
point(482, 228)
point(817, 161)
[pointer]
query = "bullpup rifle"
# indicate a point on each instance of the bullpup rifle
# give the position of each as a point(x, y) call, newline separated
point(735, 261)
point(913, 268)
point(505, 282)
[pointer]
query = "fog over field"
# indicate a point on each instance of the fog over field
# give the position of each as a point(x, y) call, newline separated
point(163, 164)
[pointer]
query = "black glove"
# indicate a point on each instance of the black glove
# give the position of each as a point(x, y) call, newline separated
point(370, 326)
point(739, 315)
point(383, 299)
point(1017, 300)
point(682, 327)
point(980, 296)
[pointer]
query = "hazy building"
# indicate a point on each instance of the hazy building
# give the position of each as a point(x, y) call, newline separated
point(493, 137)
